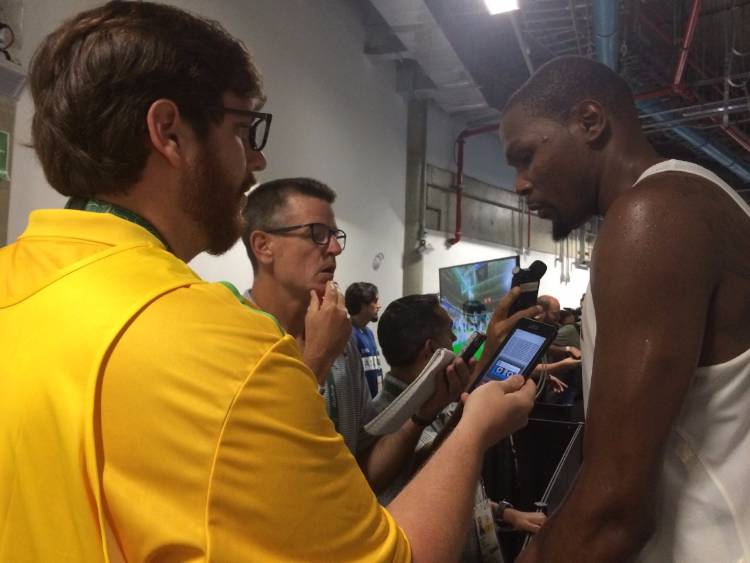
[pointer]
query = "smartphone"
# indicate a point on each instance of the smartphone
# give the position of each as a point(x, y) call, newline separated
point(472, 346)
point(528, 280)
point(520, 352)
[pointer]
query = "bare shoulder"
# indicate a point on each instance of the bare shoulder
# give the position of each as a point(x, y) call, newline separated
point(661, 238)
point(668, 213)
point(670, 198)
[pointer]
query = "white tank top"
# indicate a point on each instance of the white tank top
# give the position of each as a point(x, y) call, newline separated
point(703, 498)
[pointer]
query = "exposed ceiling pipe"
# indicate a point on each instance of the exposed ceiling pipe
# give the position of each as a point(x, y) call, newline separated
point(653, 94)
point(680, 116)
point(607, 32)
point(606, 19)
point(522, 43)
point(687, 40)
point(738, 136)
point(459, 185)
point(700, 142)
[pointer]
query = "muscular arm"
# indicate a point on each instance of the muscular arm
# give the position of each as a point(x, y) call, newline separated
point(654, 272)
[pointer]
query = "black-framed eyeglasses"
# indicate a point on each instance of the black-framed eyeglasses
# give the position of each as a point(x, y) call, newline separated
point(319, 233)
point(257, 131)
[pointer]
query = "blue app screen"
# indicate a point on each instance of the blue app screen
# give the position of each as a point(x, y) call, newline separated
point(515, 355)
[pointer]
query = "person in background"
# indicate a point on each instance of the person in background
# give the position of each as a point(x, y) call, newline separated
point(293, 243)
point(294, 261)
point(362, 302)
point(567, 317)
point(410, 330)
point(568, 338)
point(551, 315)
point(565, 368)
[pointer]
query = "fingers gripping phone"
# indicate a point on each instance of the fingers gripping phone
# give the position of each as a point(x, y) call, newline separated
point(528, 280)
point(520, 352)
point(472, 346)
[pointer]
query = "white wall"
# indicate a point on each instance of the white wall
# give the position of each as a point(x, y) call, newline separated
point(336, 118)
point(484, 158)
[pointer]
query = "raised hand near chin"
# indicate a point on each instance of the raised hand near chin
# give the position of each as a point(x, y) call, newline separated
point(327, 330)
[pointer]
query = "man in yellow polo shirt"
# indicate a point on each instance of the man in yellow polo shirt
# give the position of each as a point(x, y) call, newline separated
point(146, 414)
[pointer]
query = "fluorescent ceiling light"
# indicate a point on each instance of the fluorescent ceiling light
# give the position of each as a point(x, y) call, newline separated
point(500, 6)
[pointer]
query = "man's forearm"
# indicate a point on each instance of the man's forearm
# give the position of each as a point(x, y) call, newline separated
point(434, 509)
point(557, 352)
point(554, 368)
point(604, 527)
point(389, 455)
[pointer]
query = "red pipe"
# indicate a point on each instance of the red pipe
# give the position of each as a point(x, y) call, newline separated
point(677, 87)
point(648, 22)
point(654, 94)
point(738, 136)
point(687, 40)
point(460, 142)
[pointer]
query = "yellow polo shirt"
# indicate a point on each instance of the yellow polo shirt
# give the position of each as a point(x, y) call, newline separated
point(135, 396)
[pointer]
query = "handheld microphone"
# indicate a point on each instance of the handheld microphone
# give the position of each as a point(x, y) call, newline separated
point(528, 280)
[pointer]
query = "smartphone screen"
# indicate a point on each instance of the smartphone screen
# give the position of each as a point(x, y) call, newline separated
point(514, 358)
point(520, 351)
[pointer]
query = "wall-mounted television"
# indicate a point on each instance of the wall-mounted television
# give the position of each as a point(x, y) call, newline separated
point(470, 293)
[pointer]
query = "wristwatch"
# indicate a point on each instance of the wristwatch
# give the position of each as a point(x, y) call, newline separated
point(501, 506)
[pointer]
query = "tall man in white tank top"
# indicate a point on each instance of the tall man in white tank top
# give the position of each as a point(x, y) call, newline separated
point(666, 467)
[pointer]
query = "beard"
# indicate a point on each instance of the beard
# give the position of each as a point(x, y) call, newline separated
point(211, 200)
point(560, 230)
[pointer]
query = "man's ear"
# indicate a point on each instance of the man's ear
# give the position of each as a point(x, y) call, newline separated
point(166, 130)
point(590, 121)
point(260, 244)
point(428, 349)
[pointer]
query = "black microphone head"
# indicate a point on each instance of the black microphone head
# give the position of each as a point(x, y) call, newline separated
point(538, 268)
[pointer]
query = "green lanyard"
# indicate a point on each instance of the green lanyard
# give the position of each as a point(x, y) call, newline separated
point(251, 304)
point(98, 206)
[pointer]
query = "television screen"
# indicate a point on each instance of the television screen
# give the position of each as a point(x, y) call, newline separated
point(470, 293)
